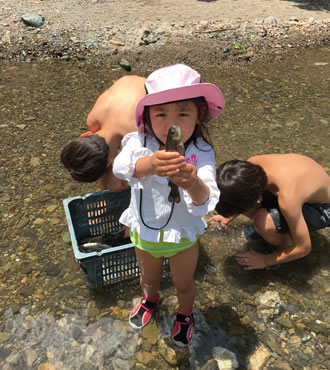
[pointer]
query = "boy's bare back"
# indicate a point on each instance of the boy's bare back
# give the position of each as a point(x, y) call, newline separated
point(112, 117)
point(114, 110)
point(295, 175)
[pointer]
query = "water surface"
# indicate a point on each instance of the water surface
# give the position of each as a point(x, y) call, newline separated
point(48, 315)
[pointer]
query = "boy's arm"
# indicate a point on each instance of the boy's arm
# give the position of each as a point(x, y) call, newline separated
point(221, 219)
point(299, 247)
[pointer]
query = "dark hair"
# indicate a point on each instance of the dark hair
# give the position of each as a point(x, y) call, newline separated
point(241, 184)
point(201, 129)
point(86, 158)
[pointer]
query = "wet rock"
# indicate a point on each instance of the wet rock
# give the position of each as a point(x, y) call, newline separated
point(125, 65)
point(281, 364)
point(4, 353)
point(174, 355)
point(66, 237)
point(210, 365)
point(46, 366)
point(5, 197)
point(35, 161)
point(225, 358)
point(14, 307)
point(51, 208)
point(284, 321)
point(26, 291)
point(167, 353)
point(33, 20)
point(92, 311)
point(39, 221)
point(268, 305)
point(27, 269)
point(150, 332)
point(52, 270)
point(145, 358)
point(272, 342)
point(259, 358)
point(30, 357)
point(3, 336)
point(22, 223)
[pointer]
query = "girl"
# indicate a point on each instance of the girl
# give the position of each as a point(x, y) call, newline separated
point(159, 228)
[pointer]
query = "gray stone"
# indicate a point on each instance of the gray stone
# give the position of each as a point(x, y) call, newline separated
point(33, 20)
point(4, 336)
point(225, 359)
point(27, 291)
point(125, 65)
point(52, 270)
point(270, 20)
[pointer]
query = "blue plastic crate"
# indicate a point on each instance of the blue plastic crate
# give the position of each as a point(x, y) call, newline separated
point(98, 214)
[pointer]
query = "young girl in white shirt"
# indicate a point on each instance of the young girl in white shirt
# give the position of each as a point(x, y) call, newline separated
point(159, 228)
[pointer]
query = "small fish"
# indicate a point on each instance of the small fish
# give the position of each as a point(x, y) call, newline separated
point(99, 242)
point(93, 247)
point(174, 143)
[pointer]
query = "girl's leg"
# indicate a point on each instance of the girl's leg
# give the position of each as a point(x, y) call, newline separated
point(183, 266)
point(151, 273)
point(265, 226)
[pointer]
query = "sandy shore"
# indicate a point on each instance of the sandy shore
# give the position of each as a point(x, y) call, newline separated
point(160, 32)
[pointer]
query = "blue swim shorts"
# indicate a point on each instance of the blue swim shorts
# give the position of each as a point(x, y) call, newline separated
point(317, 216)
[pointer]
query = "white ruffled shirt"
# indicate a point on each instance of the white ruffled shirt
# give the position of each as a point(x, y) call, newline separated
point(186, 220)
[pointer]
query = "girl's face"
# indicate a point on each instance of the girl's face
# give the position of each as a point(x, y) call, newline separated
point(183, 114)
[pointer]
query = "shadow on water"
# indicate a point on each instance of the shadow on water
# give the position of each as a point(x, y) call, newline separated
point(296, 275)
point(311, 4)
point(49, 315)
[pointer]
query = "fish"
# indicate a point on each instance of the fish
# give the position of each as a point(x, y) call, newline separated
point(174, 143)
point(99, 242)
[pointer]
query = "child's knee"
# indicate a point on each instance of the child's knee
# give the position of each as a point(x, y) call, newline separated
point(184, 287)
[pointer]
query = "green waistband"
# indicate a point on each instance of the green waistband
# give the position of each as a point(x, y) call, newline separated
point(161, 248)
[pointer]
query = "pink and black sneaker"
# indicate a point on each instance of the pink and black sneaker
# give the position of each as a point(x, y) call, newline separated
point(183, 331)
point(142, 312)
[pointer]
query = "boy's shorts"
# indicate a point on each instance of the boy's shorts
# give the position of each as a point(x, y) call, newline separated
point(317, 216)
point(161, 249)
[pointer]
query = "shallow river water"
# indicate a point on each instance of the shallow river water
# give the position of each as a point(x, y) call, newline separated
point(50, 319)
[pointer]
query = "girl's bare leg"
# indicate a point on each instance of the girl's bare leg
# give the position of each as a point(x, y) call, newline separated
point(151, 273)
point(183, 266)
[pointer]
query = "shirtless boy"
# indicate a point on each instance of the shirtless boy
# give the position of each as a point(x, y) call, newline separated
point(286, 196)
point(90, 157)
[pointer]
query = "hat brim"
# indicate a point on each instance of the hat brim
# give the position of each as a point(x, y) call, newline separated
point(210, 92)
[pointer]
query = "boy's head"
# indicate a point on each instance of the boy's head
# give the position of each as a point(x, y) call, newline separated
point(86, 158)
point(241, 184)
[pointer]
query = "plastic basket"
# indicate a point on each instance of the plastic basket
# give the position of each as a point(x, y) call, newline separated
point(97, 214)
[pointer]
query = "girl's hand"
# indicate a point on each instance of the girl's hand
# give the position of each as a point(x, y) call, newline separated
point(186, 177)
point(166, 164)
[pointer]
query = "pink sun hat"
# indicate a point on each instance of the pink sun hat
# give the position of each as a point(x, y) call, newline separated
point(179, 82)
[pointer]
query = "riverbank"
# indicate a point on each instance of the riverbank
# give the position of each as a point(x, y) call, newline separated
point(140, 33)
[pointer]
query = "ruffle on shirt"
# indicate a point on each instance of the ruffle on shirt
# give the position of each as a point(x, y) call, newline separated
point(171, 235)
point(124, 164)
